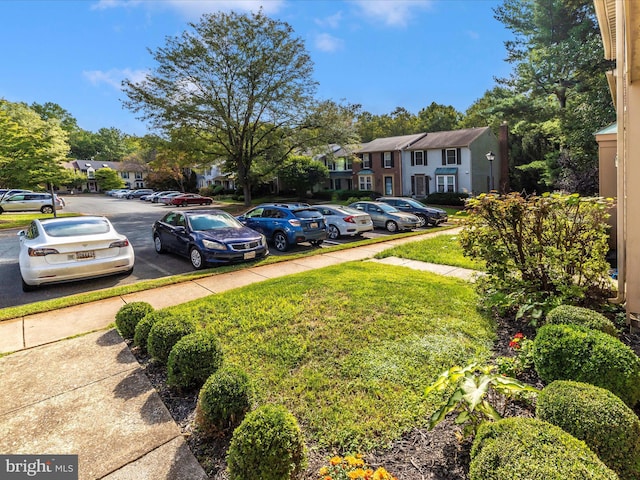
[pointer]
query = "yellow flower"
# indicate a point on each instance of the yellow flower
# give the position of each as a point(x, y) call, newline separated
point(323, 471)
point(357, 473)
point(335, 460)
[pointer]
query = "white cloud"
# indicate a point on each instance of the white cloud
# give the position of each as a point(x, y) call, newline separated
point(328, 43)
point(114, 76)
point(332, 21)
point(195, 8)
point(396, 13)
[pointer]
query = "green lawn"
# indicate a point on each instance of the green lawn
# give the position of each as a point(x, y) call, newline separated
point(349, 349)
point(18, 220)
point(442, 249)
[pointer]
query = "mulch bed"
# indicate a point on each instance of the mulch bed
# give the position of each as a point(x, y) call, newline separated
point(419, 455)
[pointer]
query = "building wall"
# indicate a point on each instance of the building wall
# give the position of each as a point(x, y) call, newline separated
point(607, 182)
point(632, 219)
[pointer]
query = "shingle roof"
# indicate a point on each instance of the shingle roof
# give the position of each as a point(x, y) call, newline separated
point(96, 165)
point(452, 138)
point(390, 143)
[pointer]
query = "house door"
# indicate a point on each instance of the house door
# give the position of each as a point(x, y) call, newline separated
point(420, 188)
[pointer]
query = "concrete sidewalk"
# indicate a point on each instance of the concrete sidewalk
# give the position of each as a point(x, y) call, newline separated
point(88, 396)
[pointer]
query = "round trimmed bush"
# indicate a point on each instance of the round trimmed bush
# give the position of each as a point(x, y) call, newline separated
point(597, 416)
point(224, 399)
point(267, 445)
point(193, 359)
point(568, 314)
point(571, 352)
point(144, 327)
point(165, 333)
point(530, 449)
point(129, 315)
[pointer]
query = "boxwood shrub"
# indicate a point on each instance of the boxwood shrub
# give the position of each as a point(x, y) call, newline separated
point(144, 327)
point(454, 199)
point(193, 359)
point(531, 449)
point(129, 315)
point(165, 333)
point(572, 352)
point(597, 416)
point(568, 314)
point(224, 399)
point(267, 445)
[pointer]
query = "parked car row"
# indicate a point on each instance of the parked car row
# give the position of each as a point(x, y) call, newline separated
point(67, 249)
point(169, 197)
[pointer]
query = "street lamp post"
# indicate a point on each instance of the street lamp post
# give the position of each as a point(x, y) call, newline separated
point(491, 157)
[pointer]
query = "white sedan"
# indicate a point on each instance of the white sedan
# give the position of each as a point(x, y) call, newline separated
point(344, 221)
point(72, 248)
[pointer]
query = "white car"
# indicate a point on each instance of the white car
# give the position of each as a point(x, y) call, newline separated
point(72, 248)
point(344, 221)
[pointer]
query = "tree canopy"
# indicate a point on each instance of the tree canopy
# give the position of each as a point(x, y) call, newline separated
point(241, 82)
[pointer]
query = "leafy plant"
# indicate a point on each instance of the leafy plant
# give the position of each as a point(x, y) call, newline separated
point(352, 467)
point(568, 314)
point(472, 386)
point(129, 315)
point(540, 251)
point(193, 359)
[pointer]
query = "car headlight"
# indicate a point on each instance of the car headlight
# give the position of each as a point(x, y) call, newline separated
point(213, 245)
point(263, 240)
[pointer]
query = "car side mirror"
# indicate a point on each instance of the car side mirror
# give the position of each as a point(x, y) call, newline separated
point(21, 233)
point(180, 229)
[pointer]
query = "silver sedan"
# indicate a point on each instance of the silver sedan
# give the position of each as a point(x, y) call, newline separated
point(344, 221)
point(386, 216)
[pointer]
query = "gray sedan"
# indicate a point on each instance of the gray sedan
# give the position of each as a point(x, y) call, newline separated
point(386, 216)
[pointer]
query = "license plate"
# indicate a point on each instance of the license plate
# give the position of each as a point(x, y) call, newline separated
point(313, 224)
point(85, 255)
point(249, 255)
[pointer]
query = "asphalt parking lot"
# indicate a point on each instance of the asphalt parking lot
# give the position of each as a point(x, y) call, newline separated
point(132, 218)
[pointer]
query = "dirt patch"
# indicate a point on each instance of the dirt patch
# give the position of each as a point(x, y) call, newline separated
point(419, 455)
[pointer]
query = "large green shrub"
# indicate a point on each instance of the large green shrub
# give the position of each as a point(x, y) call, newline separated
point(569, 314)
point(455, 199)
point(267, 445)
point(165, 333)
point(193, 359)
point(144, 327)
point(129, 315)
point(540, 251)
point(598, 417)
point(571, 352)
point(224, 399)
point(530, 449)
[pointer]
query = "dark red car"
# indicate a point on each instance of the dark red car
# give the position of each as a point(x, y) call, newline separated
point(191, 199)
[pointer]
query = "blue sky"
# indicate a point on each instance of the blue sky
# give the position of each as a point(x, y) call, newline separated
point(381, 54)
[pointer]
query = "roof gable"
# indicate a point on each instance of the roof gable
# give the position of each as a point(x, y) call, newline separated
point(390, 144)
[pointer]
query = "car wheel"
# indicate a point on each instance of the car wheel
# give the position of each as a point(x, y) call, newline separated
point(1, 210)
point(184, 204)
point(391, 226)
point(280, 242)
point(26, 287)
point(196, 258)
point(333, 232)
point(422, 221)
point(316, 243)
point(47, 209)
point(157, 243)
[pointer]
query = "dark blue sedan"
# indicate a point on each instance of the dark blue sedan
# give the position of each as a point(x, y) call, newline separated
point(207, 236)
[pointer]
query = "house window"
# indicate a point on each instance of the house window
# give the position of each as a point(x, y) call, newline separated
point(124, 174)
point(446, 183)
point(138, 175)
point(366, 182)
point(348, 164)
point(419, 157)
point(331, 165)
point(388, 185)
point(366, 160)
point(337, 184)
point(452, 156)
point(388, 163)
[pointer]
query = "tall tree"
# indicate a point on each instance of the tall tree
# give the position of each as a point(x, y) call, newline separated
point(302, 173)
point(438, 118)
point(242, 83)
point(31, 149)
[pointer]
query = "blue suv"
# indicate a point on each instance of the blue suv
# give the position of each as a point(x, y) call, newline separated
point(286, 224)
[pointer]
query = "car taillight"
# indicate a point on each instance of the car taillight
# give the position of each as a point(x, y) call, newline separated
point(119, 244)
point(294, 223)
point(41, 252)
point(349, 219)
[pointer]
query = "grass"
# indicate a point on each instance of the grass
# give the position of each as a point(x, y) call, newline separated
point(442, 249)
point(19, 220)
point(349, 349)
point(79, 299)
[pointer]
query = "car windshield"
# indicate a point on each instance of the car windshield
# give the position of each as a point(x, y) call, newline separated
point(213, 221)
point(415, 203)
point(307, 213)
point(74, 227)
point(387, 208)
